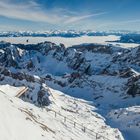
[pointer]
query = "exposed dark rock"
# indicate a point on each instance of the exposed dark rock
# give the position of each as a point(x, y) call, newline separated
point(133, 85)
point(134, 90)
point(126, 73)
point(43, 99)
point(30, 65)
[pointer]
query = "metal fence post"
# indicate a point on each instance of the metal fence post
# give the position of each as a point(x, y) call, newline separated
point(84, 129)
point(96, 136)
point(64, 119)
point(74, 124)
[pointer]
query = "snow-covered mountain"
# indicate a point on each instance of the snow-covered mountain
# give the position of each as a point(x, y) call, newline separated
point(61, 33)
point(94, 85)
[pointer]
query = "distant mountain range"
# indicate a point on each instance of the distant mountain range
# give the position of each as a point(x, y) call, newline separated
point(69, 33)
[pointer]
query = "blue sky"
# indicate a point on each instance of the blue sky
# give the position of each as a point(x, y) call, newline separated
point(69, 14)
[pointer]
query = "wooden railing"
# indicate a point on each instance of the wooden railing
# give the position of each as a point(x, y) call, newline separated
point(77, 125)
point(21, 92)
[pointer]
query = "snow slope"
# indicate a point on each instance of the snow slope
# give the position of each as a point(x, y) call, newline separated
point(22, 120)
point(128, 120)
point(10, 90)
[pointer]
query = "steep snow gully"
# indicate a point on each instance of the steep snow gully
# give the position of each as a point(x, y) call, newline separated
point(73, 93)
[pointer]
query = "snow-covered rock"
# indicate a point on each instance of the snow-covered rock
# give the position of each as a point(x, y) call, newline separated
point(106, 75)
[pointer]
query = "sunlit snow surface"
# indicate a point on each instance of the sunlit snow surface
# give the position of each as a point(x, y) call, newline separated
point(21, 120)
point(69, 41)
point(120, 114)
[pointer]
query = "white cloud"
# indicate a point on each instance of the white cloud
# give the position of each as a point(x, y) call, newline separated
point(79, 18)
point(32, 11)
